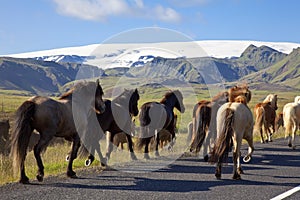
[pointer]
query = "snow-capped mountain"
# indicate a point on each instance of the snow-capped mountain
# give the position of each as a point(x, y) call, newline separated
point(137, 54)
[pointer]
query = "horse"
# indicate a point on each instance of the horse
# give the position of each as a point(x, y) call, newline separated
point(66, 117)
point(155, 116)
point(291, 120)
point(116, 118)
point(279, 121)
point(204, 117)
point(234, 123)
point(265, 115)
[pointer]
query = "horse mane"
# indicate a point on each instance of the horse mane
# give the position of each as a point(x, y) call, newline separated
point(297, 99)
point(237, 90)
point(241, 99)
point(77, 87)
point(168, 94)
point(125, 94)
point(219, 96)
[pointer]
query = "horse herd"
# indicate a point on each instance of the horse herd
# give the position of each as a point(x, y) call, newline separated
point(83, 117)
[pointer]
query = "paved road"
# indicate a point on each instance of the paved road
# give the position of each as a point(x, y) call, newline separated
point(274, 169)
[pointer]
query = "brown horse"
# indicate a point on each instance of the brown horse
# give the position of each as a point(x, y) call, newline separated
point(265, 114)
point(156, 116)
point(4, 137)
point(204, 117)
point(66, 117)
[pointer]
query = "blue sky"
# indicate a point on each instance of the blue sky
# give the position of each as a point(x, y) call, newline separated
point(34, 25)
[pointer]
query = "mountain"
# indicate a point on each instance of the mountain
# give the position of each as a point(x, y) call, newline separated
point(48, 74)
point(41, 77)
point(124, 55)
point(286, 72)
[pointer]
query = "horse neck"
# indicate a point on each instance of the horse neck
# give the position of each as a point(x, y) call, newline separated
point(169, 103)
point(120, 100)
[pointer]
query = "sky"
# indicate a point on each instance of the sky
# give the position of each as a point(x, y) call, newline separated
point(35, 25)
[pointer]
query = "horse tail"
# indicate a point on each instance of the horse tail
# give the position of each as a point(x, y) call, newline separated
point(224, 140)
point(199, 129)
point(21, 133)
point(259, 119)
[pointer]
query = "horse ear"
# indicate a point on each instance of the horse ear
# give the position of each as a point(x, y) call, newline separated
point(97, 82)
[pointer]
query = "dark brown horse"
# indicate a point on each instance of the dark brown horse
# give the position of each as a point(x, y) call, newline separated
point(204, 117)
point(66, 117)
point(155, 116)
point(116, 118)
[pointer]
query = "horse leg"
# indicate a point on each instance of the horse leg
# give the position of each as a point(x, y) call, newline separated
point(146, 151)
point(73, 155)
point(236, 160)
point(218, 170)
point(103, 161)
point(109, 144)
point(295, 128)
point(157, 143)
point(130, 147)
point(45, 138)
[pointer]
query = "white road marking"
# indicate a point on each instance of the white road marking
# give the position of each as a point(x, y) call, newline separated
point(287, 193)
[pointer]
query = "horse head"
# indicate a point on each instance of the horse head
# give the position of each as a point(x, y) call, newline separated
point(179, 101)
point(239, 90)
point(272, 99)
point(99, 103)
point(133, 103)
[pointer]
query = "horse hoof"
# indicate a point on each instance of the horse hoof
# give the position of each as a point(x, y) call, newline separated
point(267, 141)
point(218, 176)
point(71, 174)
point(206, 158)
point(294, 147)
point(290, 145)
point(247, 159)
point(236, 177)
point(133, 156)
point(24, 180)
point(40, 178)
point(67, 158)
point(156, 154)
point(146, 156)
point(88, 162)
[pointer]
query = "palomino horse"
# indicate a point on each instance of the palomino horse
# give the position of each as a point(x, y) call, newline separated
point(291, 120)
point(234, 123)
point(116, 118)
point(156, 116)
point(265, 115)
point(204, 118)
point(54, 118)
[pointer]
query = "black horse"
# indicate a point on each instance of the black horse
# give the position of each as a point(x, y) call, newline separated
point(116, 118)
point(156, 116)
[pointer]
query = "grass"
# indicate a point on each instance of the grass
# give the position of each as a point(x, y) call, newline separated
point(54, 157)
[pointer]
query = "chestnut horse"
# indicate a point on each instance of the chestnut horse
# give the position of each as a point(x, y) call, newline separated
point(265, 115)
point(204, 117)
point(66, 117)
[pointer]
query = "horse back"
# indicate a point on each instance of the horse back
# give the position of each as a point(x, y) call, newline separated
point(52, 115)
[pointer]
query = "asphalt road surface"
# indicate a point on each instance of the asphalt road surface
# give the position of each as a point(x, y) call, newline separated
point(274, 169)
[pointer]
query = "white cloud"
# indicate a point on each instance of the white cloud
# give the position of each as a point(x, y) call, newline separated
point(167, 14)
point(188, 3)
point(100, 10)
